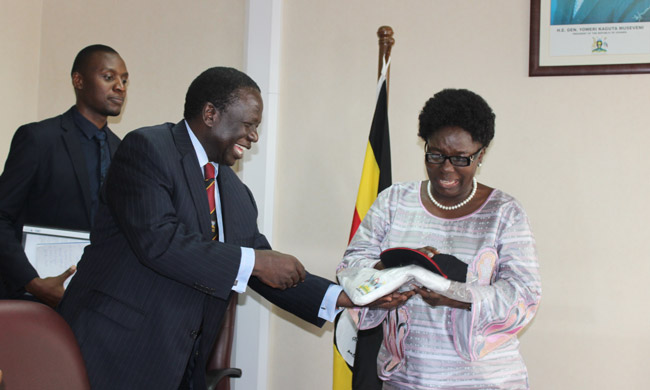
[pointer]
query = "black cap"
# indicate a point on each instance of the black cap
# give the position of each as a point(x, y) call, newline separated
point(447, 266)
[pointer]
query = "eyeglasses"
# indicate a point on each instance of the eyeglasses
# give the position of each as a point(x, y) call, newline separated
point(457, 161)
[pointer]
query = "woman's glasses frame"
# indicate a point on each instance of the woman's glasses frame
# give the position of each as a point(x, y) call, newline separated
point(457, 161)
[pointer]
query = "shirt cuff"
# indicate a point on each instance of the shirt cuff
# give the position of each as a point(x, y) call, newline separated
point(246, 265)
point(328, 309)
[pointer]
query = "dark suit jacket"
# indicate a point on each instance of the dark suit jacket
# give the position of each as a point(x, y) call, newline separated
point(601, 11)
point(44, 183)
point(152, 279)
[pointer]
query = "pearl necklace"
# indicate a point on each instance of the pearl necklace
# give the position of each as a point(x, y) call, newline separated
point(459, 205)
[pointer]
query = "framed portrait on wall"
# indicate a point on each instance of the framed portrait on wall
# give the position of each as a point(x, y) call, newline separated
point(586, 37)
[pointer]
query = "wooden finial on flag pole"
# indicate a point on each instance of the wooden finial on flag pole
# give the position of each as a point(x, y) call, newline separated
point(386, 42)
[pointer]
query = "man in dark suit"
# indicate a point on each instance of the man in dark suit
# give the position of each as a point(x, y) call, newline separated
point(600, 11)
point(151, 289)
point(55, 168)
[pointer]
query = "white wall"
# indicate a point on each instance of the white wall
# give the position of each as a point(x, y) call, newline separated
point(20, 39)
point(571, 149)
point(165, 45)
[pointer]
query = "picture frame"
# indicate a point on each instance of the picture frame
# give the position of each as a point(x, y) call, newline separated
point(561, 49)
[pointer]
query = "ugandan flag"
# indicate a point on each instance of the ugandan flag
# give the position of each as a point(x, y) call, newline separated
point(355, 352)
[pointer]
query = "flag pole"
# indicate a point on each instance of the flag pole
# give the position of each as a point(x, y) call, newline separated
point(355, 352)
point(386, 42)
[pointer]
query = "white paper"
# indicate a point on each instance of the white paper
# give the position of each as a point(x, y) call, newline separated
point(52, 251)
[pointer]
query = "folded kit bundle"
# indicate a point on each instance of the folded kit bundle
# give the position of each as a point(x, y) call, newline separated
point(403, 265)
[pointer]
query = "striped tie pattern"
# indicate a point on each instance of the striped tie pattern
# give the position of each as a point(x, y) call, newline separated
point(209, 188)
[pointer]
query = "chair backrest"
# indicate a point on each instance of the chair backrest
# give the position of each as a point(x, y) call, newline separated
point(219, 368)
point(37, 349)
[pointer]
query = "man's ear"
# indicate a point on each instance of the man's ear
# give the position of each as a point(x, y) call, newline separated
point(77, 80)
point(210, 114)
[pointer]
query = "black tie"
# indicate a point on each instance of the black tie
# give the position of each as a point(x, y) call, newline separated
point(104, 156)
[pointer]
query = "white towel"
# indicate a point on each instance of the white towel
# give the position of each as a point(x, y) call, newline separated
point(366, 285)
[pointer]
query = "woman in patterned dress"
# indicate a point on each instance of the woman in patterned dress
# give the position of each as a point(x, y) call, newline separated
point(465, 337)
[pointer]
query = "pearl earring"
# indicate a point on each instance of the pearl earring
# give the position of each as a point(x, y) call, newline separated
point(480, 164)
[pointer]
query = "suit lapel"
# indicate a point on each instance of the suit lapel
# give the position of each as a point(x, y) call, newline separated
point(113, 142)
point(73, 146)
point(584, 10)
point(193, 176)
point(565, 11)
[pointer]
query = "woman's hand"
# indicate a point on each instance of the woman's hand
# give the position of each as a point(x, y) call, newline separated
point(429, 251)
point(434, 299)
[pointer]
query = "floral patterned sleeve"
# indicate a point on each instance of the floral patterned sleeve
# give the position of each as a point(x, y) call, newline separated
point(505, 287)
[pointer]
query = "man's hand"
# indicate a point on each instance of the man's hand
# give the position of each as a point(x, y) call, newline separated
point(387, 302)
point(49, 290)
point(277, 269)
point(344, 300)
point(392, 300)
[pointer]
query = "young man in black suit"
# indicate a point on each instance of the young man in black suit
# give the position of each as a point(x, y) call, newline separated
point(55, 168)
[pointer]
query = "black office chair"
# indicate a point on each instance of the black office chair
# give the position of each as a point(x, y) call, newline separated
point(219, 370)
point(38, 350)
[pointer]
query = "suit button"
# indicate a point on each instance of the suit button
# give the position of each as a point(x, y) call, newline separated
point(194, 334)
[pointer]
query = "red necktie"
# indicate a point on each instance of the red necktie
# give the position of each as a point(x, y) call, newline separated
point(209, 188)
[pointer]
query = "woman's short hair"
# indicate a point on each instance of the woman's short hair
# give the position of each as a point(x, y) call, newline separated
point(457, 108)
